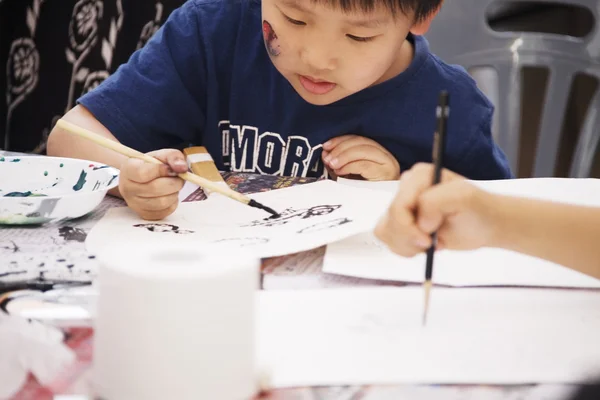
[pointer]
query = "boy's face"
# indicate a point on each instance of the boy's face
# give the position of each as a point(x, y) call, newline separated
point(327, 54)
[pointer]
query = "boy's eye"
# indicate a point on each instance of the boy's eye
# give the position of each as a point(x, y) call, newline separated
point(294, 21)
point(361, 39)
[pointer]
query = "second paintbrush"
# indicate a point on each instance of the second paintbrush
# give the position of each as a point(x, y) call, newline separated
point(439, 145)
point(187, 176)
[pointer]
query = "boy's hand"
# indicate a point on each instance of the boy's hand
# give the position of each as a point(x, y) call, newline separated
point(152, 190)
point(462, 214)
point(358, 155)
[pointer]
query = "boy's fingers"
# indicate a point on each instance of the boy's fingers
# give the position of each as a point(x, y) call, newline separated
point(360, 167)
point(368, 170)
point(156, 215)
point(350, 142)
point(173, 158)
point(142, 172)
point(156, 203)
point(334, 142)
point(358, 151)
point(159, 187)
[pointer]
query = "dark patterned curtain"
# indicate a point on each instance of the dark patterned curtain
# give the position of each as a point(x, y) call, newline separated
point(56, 50)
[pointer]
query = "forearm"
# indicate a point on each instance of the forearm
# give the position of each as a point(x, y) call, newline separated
point(64, 144)
point(565, 234)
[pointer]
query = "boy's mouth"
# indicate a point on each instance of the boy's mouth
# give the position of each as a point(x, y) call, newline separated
point(316, 86)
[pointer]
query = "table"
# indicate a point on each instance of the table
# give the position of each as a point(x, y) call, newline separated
point(56, 251)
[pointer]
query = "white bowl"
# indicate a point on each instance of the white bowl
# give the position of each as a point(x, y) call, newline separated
point(36, 190)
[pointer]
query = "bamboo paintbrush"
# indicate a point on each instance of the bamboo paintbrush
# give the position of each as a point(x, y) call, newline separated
point(439, 145)
point(190, 177)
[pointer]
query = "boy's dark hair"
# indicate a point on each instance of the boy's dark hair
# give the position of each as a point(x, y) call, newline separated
point(421, 8)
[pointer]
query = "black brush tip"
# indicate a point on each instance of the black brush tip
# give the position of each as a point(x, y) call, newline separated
point(256, 204)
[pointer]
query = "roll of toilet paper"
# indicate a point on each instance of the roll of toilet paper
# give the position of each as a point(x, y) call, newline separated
point(175, 323)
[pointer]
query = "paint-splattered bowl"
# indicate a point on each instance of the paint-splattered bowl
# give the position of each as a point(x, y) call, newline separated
point(36, 190)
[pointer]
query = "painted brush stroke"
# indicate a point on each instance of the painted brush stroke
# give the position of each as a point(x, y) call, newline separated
point(81, 181)
point(24, 194)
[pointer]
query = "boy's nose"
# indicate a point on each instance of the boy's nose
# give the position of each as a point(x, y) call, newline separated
point(319, 58)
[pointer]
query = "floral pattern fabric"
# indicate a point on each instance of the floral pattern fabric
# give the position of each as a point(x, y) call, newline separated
point(54, 51)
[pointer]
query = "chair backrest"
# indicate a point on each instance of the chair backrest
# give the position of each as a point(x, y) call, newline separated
point(461, 35)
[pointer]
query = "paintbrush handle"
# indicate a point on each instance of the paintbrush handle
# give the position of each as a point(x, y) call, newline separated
point(132, 153)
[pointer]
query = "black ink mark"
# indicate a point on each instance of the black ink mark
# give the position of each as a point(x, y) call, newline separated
point(111, 180)
point(243, 242)
point(12, 249)
point(4, 274)
point(72, 234)
point(325, 225)
point(163, 228)
point(290, 214)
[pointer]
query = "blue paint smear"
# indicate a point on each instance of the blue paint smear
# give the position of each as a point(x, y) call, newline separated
point(102, 167)
point(24, 194)
point(79, 185)
point(2, 159)
point(16, 160)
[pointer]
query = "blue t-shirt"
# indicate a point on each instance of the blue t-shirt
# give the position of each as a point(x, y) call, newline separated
point(205, 78)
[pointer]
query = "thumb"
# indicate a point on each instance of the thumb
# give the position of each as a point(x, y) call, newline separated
point(173, 158)
point(441, 201)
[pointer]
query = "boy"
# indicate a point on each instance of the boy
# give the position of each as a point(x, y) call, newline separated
point(284, 87)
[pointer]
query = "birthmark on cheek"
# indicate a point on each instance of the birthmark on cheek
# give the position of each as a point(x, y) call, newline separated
point(271, 40)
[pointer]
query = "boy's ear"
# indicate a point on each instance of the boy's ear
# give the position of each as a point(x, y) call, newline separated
point(420, 28)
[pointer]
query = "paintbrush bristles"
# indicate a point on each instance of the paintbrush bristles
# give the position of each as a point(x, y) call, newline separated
point(427, 292)
point(132, 153)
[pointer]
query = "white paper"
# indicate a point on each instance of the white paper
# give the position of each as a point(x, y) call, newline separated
point(583, 192)
point(187, 189)
point(363, 256)
point(311, 215)
point(473, 336)
point(565, 190)
point(388, 186)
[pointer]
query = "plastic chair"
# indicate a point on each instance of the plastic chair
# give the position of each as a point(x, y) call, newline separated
point(461, 35)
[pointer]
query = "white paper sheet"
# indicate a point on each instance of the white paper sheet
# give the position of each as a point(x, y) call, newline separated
point(375, 336)
point(312, 215)
point(187, 189)
point(363, 256)
point(584, 192)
